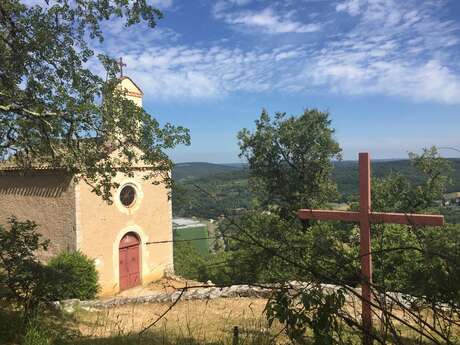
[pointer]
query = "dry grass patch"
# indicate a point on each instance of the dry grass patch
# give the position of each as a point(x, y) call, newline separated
point(204, 322)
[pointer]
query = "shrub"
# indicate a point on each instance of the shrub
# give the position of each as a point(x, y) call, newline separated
point(78, 274)
point(188, 263)
point(36, 336)
point(23, 279)
point(187, 260)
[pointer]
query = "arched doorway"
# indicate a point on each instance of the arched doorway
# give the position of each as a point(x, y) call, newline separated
point(129, 260)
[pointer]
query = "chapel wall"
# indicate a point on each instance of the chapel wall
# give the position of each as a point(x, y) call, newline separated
point(46, 197)
point(101, 227)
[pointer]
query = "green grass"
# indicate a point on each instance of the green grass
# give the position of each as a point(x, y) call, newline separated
point(201, 246)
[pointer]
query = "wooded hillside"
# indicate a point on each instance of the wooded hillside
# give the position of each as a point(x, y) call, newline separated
point(206, 190)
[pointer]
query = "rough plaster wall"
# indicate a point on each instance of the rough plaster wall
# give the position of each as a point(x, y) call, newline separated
point(47, 198)
point(101, 227)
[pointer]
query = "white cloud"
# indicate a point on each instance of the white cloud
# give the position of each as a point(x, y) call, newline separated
point(186, 73)
point(430, 81)
point(352, 7)
point(268, 21)
point(162, 4)
point(265, 20)
point(395, 48)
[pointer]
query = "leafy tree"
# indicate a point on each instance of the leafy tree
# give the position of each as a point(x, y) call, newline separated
point(397, 193)
point(290, 160)
point(23, 279)
point(421, 262)
point(290, 165)
point(269, 245)
point(55, 111)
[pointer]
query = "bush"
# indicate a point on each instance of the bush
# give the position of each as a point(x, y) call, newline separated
point(189, 264)
point(23, 279)
point(79, 276)
point(187, 260)
point(36, 336)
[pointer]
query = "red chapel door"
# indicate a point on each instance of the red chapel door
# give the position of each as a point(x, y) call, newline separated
point(129, 259)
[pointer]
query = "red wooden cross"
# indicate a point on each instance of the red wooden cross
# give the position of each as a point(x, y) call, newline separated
point(365, 217)
point(121, 64)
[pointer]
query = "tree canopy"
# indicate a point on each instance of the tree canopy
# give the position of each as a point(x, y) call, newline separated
point(57, 112)
point(290, 159)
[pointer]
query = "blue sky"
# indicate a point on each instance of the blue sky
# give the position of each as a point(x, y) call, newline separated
point(387, 70)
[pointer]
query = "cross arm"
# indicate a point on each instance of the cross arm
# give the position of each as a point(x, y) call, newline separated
point(347, 216)
point(374, 217)
point(407, 218)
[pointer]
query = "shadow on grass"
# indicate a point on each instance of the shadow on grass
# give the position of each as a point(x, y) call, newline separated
point(148, 339)
point(50, 325)
point(10, 325)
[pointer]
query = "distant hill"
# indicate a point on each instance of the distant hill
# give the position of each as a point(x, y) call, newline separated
point(206, 189)
point(194, 170)
point(345, 172)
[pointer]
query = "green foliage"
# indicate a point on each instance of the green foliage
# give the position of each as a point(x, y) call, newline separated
point(49, 327)
point(397, 193)
point(420, 262)
point(202, 245)
point(199, 192)
point(269, 245)
point(451, 214)
point(262, 247)
point(78, 276)
point(24, 279)
point(35, 335)
point(188, 262)
point(290, 160)
point(51, 111)
point(196, 170)
point(207, 197)
point(310, 310)
point(346, 175)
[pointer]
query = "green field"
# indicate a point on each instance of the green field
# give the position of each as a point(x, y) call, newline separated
point(202, 246)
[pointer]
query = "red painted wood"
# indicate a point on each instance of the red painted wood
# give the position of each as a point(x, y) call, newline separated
point(409, 219)
point(124, 273)
point(329, 215)
point(365, 243)
point(375, 217)
point(365, 217)
point(129, 262)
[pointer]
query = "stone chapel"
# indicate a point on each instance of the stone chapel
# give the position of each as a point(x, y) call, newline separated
point(74, 218)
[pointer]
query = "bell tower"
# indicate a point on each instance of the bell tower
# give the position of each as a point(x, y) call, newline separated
point(131, 90)
point(129, 87)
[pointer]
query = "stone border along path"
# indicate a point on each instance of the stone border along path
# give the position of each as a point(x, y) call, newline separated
point(206, 293)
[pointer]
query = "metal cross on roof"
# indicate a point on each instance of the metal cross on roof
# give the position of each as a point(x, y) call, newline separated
point(121, 64)
point(365, 217)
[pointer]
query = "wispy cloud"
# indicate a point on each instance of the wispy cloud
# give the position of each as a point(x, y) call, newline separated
point(162, 4)
point(403, 49)
point(352, 7)
point(267, 20)
point(184, 72)
point(395, 48)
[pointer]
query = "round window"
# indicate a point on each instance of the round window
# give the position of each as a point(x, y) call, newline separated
point(127, 195)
